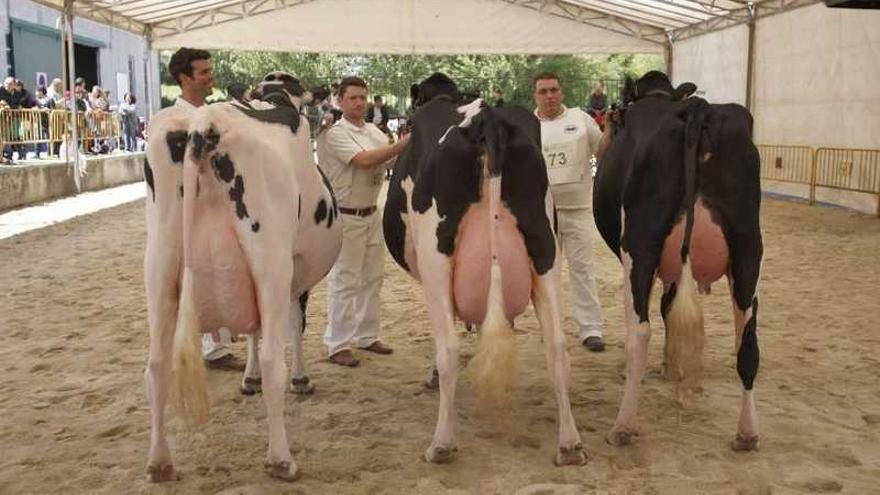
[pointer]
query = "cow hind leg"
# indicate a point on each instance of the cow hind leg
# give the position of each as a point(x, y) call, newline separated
point(545, 298)
point(747, 358)
point(251, 383)
point(162, 311)
point(638, 333)
point(437, 281)
point(272, 276)
point(299, 382)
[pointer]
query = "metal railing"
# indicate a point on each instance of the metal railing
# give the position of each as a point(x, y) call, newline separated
point(844, 169)
point(40, 126)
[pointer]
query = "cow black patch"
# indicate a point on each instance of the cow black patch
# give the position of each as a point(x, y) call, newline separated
point(284, 115)
point(148, 176)
point(321, 211)
point(203, 144)
point(303, 303)
point(176, 141)
point(748, 356)
point(429, 123)
point(224, 169)
point(236, 194)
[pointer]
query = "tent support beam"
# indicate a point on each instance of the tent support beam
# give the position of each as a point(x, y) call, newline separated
point(750, 60)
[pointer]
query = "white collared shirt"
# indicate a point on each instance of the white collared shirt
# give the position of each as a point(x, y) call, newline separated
point(184, 105)
point(353, 187)
point(568, 143)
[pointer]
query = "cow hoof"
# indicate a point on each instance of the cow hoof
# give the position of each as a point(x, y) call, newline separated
point(741, 444)
point(571, 456)
point(161, 474)
point(284, 471)
point(433, 383)
point(440, 455)
point(621, 437)
point(251, 386)
point(301, 386)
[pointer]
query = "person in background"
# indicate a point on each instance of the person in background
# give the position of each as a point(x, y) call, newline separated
point(377, 114)
point(498, 99)
point(569, 138)
point(353, 154)
point(192, 70)
point(130, 122)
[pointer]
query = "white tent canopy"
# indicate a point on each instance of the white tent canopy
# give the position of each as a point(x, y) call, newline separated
point(423, 26)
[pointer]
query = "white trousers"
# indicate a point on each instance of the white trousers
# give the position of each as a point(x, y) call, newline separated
point(354, 284)
point(576, 240)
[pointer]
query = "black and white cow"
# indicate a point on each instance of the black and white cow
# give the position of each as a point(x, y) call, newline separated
point(240, 225)
point(677, 196)
point(469, 214)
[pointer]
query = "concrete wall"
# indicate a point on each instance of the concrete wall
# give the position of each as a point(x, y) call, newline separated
point(113, 56)
point(716, 63)
point(816, 73)
point(25, 184)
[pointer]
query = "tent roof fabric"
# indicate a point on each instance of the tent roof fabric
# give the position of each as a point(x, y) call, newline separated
point(424, 26)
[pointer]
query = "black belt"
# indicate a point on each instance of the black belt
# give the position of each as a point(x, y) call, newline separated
point(359, 212)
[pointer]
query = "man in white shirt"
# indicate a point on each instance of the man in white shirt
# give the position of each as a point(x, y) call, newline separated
point(354, 154)
point(569, 139)
point(192, 70)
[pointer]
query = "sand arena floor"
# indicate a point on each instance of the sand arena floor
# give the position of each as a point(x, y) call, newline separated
point(73, 417)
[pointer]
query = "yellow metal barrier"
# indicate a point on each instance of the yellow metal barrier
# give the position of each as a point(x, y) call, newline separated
point(41, 126)
point(849, 170)
point(787, 164)
point(846, 169)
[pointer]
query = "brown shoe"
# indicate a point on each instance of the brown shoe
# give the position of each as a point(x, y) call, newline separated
point(226, 363)
point(378, 348)
point(344, 358)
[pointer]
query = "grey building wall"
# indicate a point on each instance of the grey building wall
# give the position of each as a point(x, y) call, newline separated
point(118, 51)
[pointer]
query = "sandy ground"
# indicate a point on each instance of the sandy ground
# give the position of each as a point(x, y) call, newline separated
point(73, 417)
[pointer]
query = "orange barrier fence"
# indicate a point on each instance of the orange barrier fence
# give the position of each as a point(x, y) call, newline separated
point(844, 169)
point(40, 126)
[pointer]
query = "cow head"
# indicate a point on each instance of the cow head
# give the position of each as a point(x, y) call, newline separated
point(653, 84)
point(281, 89)
point(436, 85)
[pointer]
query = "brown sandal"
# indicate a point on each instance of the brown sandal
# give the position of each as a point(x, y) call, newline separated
point(344, 358)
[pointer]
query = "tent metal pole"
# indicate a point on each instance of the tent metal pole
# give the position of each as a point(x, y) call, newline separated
point(750, 61)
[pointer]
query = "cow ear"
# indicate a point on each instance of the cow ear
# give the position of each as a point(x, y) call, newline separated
point(683, 91)
point(629, 91)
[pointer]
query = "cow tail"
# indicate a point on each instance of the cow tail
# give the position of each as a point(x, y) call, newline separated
point(684, 334)
point(495, 362)
point(684, 318)
point(189, 390)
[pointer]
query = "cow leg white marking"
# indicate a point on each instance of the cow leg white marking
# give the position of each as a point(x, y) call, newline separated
point(272, 273)
point(250, 381)
point(625, 429)
point(747, 430)
point(436, 270)
point(161, 288)
point(545, 297)
point(299, 381)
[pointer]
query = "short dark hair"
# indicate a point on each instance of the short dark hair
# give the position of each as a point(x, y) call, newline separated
point(350, 81)
point(545, 75)
point(377, 98)
point(181, 62)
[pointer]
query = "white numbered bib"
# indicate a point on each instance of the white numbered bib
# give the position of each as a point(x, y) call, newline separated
point(564, 166)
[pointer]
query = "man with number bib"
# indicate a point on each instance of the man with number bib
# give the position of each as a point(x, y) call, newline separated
point(569, 139)
point(354, 154)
